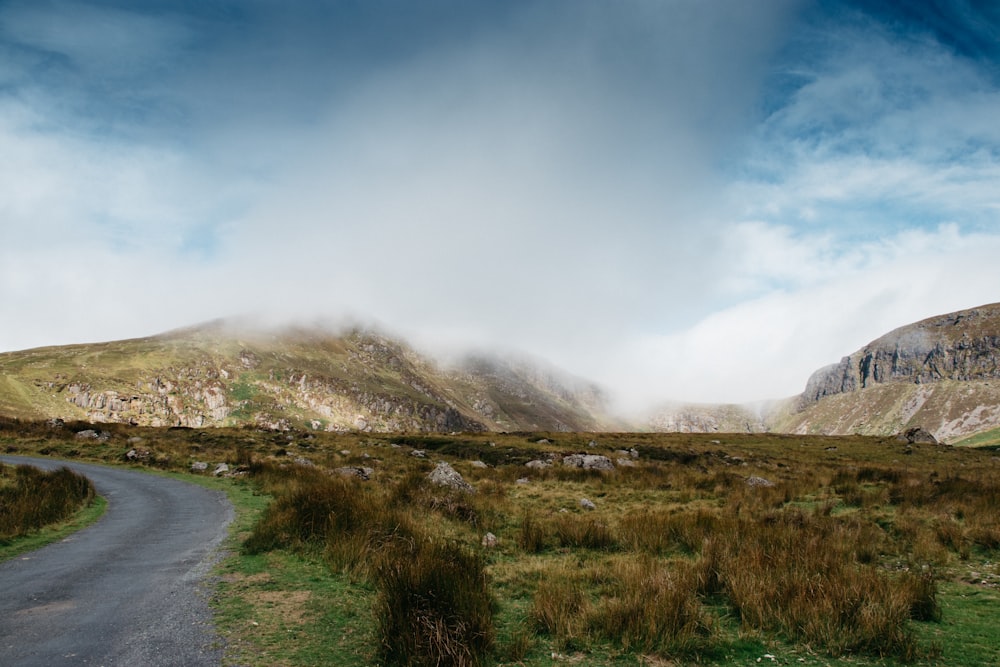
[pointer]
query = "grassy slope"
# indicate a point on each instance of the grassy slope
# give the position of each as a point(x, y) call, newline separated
point(290, 608)
point(344, 376)
point(949, 408)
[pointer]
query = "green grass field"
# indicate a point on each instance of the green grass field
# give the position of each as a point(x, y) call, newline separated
point(853, 551)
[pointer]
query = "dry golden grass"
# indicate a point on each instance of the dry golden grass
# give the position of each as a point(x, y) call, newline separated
point(842, 553)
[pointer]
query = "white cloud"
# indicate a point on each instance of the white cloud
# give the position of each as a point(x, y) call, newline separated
point(552, 186)
point(767, 346)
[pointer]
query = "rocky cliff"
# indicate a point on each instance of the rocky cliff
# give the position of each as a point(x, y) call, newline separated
point(942, 373)
point(960, 346)
point(217, 375)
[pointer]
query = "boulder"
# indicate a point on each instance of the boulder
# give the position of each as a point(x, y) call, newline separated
point(445, 475)
point(221, 469)
point(758, 481)
point(361, 472)
point(587, 504)
point(199, 466)
point(538, 464)
point(490, 540)
point(588, 462)
point(479, 464)
point(917, 435)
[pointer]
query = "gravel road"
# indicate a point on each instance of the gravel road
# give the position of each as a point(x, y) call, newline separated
point(129, 590)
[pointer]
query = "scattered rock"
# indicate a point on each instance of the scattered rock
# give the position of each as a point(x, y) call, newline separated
point(303, 461)
point(758, 481)
point(445, 475)
point(361, 472)
point(587, 504)
point(138, 455)
point(479, 464)
point(89, 434)
point(592, 443)
point(490, 540)
point(588, 462)
point(917, 435)
point(625, 463)
point(55, 423)
point(522, 480)
point(345, 452)
point(221, 469)
point(542, 441)
point(419, 453)
point(199, 466)
point(538, 464)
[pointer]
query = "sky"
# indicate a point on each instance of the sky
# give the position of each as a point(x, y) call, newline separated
point(680, 200)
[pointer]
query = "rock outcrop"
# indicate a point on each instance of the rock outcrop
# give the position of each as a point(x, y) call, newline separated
point(960, 346)
point(358, 380)
point(941, 374)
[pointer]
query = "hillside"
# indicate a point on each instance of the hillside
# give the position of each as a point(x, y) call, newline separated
point(942, 374)
point(218, 375)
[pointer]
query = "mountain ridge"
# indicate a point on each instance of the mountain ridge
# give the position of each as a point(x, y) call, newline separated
point(220, 373)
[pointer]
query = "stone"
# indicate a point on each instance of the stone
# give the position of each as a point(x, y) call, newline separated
point(221, 469)
point(199, 466)
point(479, 464)
point(345, 452)
point(917, 435)
point(303, 461)
point(419, 453)
point(538, 464)
point(588, 462)
point(587, 504)
point(89, 434)
point(361, 472)
point(522, 480)
point(625, 463)
point(445, 475)
point(758, 481)
point(137, 455)
point(490, 540)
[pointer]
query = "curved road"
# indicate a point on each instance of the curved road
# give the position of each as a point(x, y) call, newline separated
point(127, 590)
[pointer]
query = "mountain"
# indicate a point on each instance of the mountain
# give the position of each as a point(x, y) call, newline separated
point(218, 374)
point(941, 374)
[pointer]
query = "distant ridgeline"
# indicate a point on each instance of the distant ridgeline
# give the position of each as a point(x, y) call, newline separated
point(941, 374)
point(216, 375)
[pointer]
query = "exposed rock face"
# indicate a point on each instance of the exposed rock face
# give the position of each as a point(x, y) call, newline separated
point(959, 346)
point(940, 374)
point(220, 375)
point(588, 462)
point(917, 435)
point(445, 475)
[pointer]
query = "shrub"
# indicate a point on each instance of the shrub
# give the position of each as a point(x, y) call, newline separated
point(583, 532)
point(559, 609)
point(531, 535)
point(655, 609)
point(434, 606)
point(36, 498)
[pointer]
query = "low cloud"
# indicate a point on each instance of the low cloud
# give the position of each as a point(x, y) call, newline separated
point(684, 200)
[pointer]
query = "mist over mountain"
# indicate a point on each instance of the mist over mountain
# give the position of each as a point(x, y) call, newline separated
point(941, 374)
point(281, 378)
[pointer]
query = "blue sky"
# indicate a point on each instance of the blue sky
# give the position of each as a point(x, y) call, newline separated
point(679, 199)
